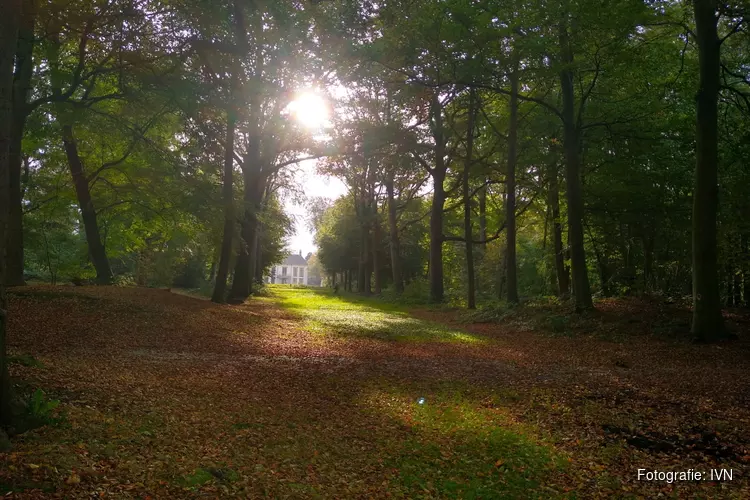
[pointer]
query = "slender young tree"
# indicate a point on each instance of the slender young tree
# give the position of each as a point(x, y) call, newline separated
point(394, 243)
point(468, 227)
point(553, 200)
point(511, 268)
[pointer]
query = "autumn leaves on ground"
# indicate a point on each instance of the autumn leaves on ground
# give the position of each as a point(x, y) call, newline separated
point(304, 394)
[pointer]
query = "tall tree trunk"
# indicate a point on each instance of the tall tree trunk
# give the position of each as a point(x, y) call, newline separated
point(8, 37)
point(253, 176)
point(482, 195)
point(561, 271)
point(376, 265)
point(468, 228)
point(501, 277)
point(362, 260)
point(708, 324)
point(366, 286)
point(574, 189)
point(259, 256)
point(258, 275)
point(438, 174)
point(398, 279)
point(511, 269)
point(436, 239)
point(220, 288)
point(21, 88)
point(96, 248)
point(244, 271)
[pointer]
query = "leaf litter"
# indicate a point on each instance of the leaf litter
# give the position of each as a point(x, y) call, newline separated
point(167, 396)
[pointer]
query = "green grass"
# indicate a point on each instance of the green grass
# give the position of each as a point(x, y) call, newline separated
point(353, 316)
point(457, 449)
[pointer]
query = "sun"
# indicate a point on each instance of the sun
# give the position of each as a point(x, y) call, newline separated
point(310, 110)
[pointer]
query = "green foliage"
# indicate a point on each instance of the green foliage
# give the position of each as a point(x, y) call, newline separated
point(198, 478)
point(40, 410)
point(493, 312)
point(149, 127)
point(26, 360)
point(125, 280)
point(416, 291)
point(203, 476)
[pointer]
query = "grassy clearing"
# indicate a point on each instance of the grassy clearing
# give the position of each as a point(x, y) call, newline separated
point(353, 316)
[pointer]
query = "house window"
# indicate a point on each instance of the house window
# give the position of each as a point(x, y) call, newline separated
point(283, 271)
point(294, 271)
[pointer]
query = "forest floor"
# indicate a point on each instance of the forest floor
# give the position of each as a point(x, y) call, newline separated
point(309, 395)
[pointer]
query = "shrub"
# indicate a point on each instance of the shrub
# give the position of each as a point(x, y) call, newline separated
point(40, 410)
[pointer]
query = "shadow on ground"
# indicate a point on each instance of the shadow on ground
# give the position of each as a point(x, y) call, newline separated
point(169, 396)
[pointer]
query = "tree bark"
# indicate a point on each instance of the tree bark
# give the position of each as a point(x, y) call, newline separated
point(8, 38)
point(220, 287)
point(21, 88)
point(436, 239)
point(574, 189)
point(561, 271)
point(362, 272)
point(254, 183)
point(253, 177)
point(468, 228)
point(438, 173)
point(96, 248)
point(366, 286)
point(398, 279)
point(482, 194)
point(511, 268)
point(376, 251)
point(259, 257)
point(707, 324)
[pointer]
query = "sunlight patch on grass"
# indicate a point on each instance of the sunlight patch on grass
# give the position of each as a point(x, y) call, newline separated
point(459, 449)
point(350, 316)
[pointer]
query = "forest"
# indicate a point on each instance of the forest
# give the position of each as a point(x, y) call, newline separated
point(499, 157)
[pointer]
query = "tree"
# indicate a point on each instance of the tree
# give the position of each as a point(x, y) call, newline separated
point(9, 26)
point(219, 293)
point(574, 188)
point(510, 187)
point(22, 84)
point(707, 319)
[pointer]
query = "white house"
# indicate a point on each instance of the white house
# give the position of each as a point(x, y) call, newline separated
point(293, 271)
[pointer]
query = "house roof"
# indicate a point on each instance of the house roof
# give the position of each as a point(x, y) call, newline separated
point(295, 260)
